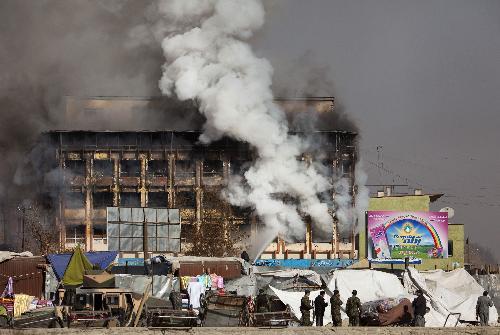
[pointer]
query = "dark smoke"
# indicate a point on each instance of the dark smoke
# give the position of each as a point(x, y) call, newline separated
point(51, 49)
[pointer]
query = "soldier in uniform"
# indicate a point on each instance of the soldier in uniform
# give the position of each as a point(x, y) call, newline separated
point(335, 303)
point(483, 308)
point(305, 307)
point(353, 309)
point(262, 303)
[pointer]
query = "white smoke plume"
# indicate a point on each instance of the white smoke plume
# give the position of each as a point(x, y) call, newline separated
point(351, 216)
point(208, 60)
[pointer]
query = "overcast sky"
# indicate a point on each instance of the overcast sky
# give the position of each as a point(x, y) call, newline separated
point(422, 80)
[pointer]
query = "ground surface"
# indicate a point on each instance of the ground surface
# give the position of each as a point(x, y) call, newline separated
point(265, 331)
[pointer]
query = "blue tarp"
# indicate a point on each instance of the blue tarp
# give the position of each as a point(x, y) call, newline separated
point(60, 262)
point(306, 263)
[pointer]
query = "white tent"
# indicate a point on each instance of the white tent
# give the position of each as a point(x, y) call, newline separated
point(450, 292)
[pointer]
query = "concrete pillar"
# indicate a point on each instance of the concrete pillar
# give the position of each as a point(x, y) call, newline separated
point(60, 223)
point(253, 228)
point(199, 193)
point(116, 181)
point(89, 164)
point(353, 244)
point(335, 241)
point(142, 187)
point(171, 174)
point(308, 243)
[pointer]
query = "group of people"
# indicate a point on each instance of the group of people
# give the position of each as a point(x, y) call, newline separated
point(353, 309)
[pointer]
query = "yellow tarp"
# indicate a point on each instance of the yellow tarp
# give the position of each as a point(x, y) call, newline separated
point(73, 276)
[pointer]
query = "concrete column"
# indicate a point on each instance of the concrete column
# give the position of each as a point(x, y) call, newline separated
point(116, 181)
point(89, 164)
point(253, 228)
point(171, 174)
point(308, 242)
point(335, 240)
point(60, 223)
point(142, 187)
point(199, 193)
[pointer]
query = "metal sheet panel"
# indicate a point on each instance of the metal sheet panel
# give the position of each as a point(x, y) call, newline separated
point(162, 230)
point(162, 215)
point(28, 277)
point(113, 244)
point(174, 231)
point(137, 215)
point(125, 214)
point(113, 214)
point(150, 214)
point(174, 215)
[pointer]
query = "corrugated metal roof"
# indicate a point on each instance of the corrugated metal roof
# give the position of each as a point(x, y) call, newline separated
point(27, 274)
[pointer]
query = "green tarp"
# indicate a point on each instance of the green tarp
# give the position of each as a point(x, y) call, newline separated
point(73, 276)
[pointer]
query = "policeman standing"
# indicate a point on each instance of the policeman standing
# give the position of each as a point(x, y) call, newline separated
point(305, 307)
point(353, 309)
point(335, 303)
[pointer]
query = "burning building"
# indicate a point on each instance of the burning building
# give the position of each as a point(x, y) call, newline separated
point(103, 169)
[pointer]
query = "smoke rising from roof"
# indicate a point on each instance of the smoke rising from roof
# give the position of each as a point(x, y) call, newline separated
point(209, 60)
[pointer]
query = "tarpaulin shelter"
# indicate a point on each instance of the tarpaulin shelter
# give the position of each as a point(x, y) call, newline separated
point(449, 292)
point(60, 262)
point(73, 276)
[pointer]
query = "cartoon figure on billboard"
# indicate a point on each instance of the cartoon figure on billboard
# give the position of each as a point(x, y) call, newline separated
point(380, 242)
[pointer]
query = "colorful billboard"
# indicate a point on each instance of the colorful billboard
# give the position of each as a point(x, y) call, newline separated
point(396, 235)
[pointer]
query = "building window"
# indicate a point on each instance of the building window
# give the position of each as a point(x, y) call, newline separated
point(157, 199)
point(184, 168)
point(450, 248)
point(186, 199)
point(130, 199)
point(102, 199)
point(74, 200)
point(75, 234)
point(130, 168)
point(212, 168)
point(99, 233)
point(75, 168)
point(102, 168)
point(158, 168)
point(322, 235)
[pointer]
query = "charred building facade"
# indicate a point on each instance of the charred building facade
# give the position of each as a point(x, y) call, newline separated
point(171, 169)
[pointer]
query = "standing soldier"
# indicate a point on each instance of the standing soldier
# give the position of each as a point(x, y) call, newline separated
point(353, 309)
point(262, 303)
point(335, 302)
point(319, 308)
point(305, 307)
point(483, 308)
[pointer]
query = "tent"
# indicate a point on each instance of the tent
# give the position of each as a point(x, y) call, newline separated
point(449, 292)
point(60, 262)
point(73, 276)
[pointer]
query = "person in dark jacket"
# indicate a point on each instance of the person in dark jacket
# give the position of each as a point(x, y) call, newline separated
point(419, 309)
point(244, 255)
point(262, 302)
point(483, 308)
point(319, 308)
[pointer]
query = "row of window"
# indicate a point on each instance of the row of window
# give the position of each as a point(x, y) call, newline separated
point(75, 200)
point(159, 168)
